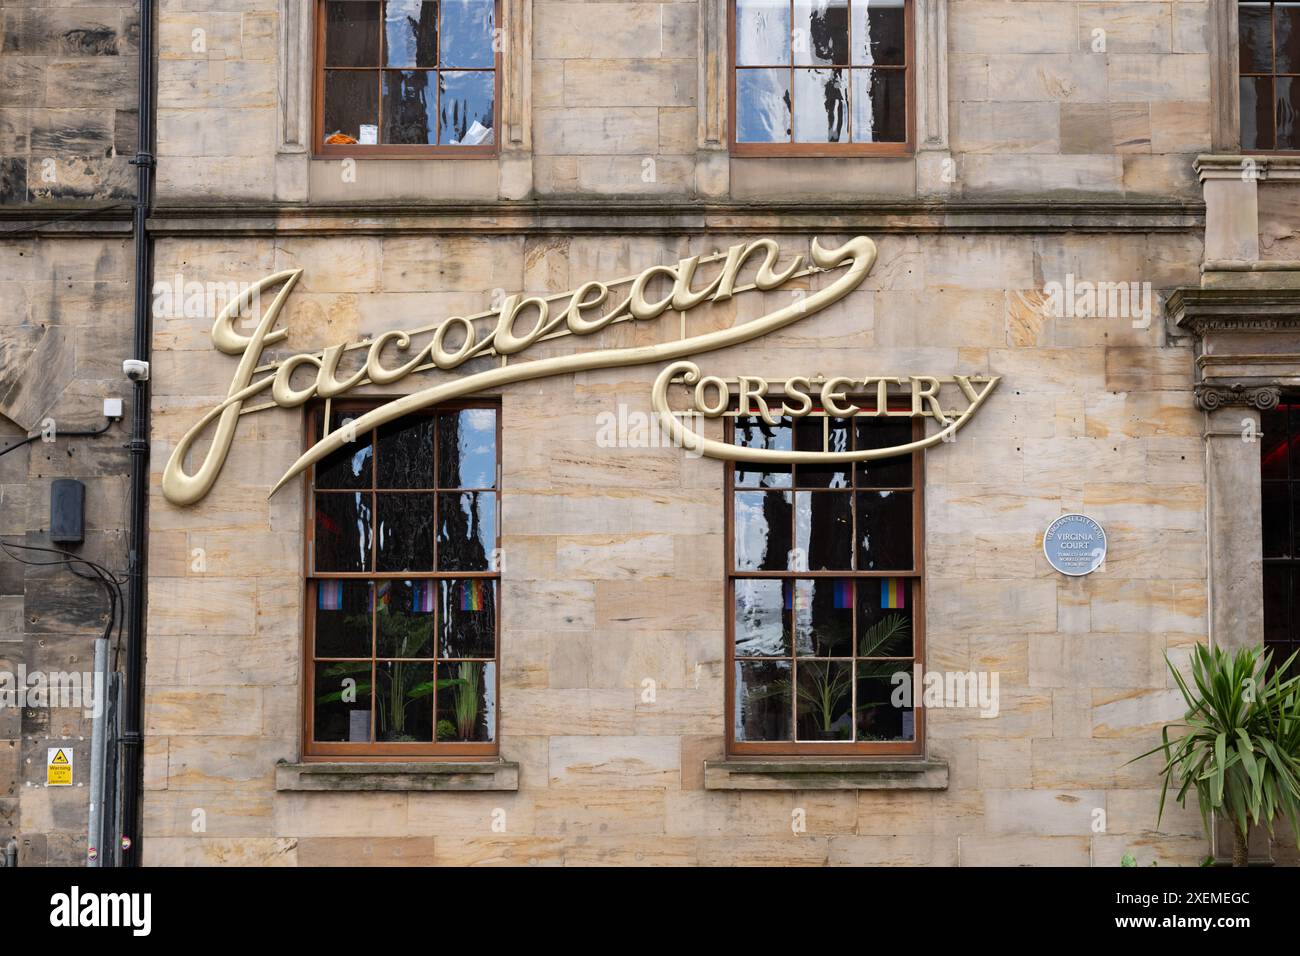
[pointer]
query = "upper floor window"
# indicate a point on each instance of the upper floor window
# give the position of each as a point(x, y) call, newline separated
point(406, 77)
point(821, 77)
point(1269, 55)
point(402, 588)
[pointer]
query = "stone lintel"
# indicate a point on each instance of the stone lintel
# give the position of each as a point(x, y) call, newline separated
point(793, 774)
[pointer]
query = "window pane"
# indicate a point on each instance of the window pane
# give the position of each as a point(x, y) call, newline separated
point(467, 449)
point(1288, 112)
point(467, 532)
point(878, 688)
point(1255, 33)
point(822, 612)
point(342, 705)
point(762, 106)
point(879, 106)
point(410, 104)
point(895, 472)
point(349, 467)
point(1273, 442)
point(405, 536)
point(762, 532)
point(825, 700)
point(752, 432)
point(343, 619)
point(884, 530)
point(343, 532)
point(403, 702)
point(467, 30)
point(885, 617)
point(761, 629)
point(406, 454)
point(1286, 33)
point(821, 106)
point(879, 32)
point(762, 32)
point(351, 107)
point(821, 32)
point(1276, 522)
point(351, 33)
point(1277, 603)
point(469, 618)
point(1256, 112)
point(465, 114)
point(762, 710)
point(405, 617)
point(809, 437)
point(823, 531)
point(467, 701)
point(410, 33)
point(1293, 439)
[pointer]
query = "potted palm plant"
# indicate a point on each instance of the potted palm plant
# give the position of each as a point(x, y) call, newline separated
point(1240, 746)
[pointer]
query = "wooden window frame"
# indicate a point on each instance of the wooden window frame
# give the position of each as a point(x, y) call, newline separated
point(322, 150)
point(314, 750)
point(805, 748)
point(1274, 150)
point(905, 148)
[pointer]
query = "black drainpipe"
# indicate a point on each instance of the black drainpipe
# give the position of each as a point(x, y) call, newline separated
point(133, 705)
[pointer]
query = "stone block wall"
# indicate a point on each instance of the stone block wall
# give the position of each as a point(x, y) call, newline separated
point(68, 114)
point(65, 327)
point(614, 572)
point(1046, 97)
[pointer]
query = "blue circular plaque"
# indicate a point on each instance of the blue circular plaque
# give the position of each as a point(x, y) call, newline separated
point(1075, 545)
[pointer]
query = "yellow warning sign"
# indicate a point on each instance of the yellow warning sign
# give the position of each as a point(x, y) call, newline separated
point(58, 767)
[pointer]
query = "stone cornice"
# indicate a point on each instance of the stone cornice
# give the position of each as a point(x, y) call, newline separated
point(1201, 311)
point(677, 218)
point(1247, 166)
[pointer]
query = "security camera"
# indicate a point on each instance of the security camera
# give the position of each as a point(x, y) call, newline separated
point(136, 370)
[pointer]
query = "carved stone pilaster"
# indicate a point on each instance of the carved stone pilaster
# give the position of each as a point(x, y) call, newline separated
point(1213, 396)
point(295, 65)
point(931, 52)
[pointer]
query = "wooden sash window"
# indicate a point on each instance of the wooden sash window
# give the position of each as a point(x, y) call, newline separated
point(403, 587)
point(825, 589)
point(406, 78)
point(821, 77)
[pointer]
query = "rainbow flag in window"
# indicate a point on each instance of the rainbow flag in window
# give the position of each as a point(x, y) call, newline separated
point(329, 596)
point(385, 594)
point(843, 593)
point(422, 597)
point(472, 596)
point(893, 593)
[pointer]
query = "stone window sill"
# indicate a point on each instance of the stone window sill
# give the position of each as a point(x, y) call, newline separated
point(790, 774)
point(446, 775)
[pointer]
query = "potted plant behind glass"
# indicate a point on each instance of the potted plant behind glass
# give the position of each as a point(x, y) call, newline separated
point(1241, 748)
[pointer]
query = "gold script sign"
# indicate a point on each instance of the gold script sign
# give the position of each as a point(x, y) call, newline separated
point(579, 312)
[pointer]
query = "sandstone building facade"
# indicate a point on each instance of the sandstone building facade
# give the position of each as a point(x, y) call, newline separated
point(521, 625)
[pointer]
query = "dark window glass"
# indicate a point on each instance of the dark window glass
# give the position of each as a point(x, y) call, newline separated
point(344, 523)
point(406, 453)
point(342, 701)
point(351, 33)
point(1269, 61)
point(467, 526)
point(467, 701)
point(763, 700)
point(467, 449)
point(404, 539)
point(343, 619)
point(404, 702)
point(753, 432)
